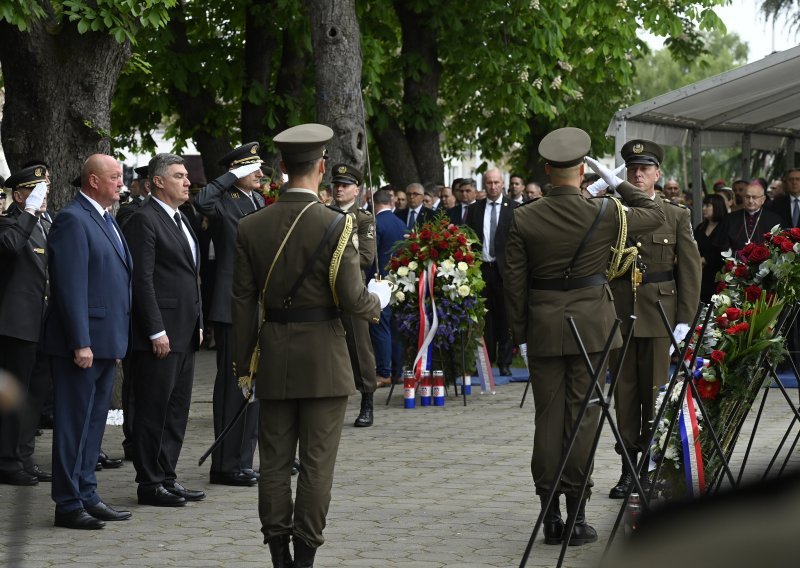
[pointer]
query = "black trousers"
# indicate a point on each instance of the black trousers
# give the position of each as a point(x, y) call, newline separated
point(39, 390)
point(496, 333)
point(163, 391)
point(235, 453)
point(127, 407)
point(17, 357)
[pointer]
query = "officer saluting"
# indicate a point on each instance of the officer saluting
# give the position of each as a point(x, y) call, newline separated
point(346, 184)
point(546, 284)
point(299, 260)
point(671, 273)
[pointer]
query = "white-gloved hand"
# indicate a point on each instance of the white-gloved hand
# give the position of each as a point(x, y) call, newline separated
point(601, 184)
point(607, 175)
point(246, 393)
point(680, 331)
point(381, 289)
point(243, 171)
point(36, 197)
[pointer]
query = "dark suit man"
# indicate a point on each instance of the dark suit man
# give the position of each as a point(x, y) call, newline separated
point(416, 213)
point(167, 330)
point(86, 329)
point(787, 206)
point(490, 218)
point(672, 270)
point(303, 390)
point(23, 297)
point(750, 223)
point(225, 201)
point(346, 186)
point(139, 195)
point(465, 194)
point(539, 299)
point(387, 345)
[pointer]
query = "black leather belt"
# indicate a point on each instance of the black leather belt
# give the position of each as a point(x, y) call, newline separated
point(650, 277)
point(292, 315)
point(568, 283)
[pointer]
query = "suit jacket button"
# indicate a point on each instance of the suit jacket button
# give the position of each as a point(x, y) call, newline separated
point(638, 244)
point(666, 240)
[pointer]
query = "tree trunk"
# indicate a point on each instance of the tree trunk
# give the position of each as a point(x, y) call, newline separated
point(337, 78)
point(534, 165)
point(398, 160)
point(421, 93)
point(58, 88)
point(261, 42)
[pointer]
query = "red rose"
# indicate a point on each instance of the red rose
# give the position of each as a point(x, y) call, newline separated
point(728, 266)
point(414, 247)
point(452, 228)
point(469, 258)
point(720, 287)
point(412, 235)
point(722, 321)
point(708, 390)
point(395, 264)
point(425, 235)
point(752, 293)
point(405, 261)
point(273, 185)
point(745, 252)
point(737, 329)
point(740, 271)
point(459, 256)
point(783, 243)
point(443, 245)
point(446, 235)
point(434, 254)
point(794, 234)
point(688, 356)
point(760, 253)
point(733, 314)
point(462, 240)
point(717, 356)
point(423, 255)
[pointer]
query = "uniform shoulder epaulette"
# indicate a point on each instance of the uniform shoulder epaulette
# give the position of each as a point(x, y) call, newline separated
point(334, 208)
point(681, 205)
point(524, 203)
point(365, 212)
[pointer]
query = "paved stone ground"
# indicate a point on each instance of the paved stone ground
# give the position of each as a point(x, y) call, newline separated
point(423, 488)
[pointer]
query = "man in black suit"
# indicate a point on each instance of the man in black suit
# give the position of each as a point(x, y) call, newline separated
point(139, 194)
point(749, 224)
point(787, 206)
point(23, 297)
point(465, 194)
point(490, 218)
point(415, 214)
point(167, 330)
point(225, 201)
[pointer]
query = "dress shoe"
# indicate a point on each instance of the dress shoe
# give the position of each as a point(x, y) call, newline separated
point(105, 513)
point(108, 463)
point(158, 496)
point(384, 382)
point(365, 417)
point(623, 486)
point(78, 519)
point(505, 371)
point(188, 494)
point(19, 477)
point(252, 473)
point(582, 532)
point(39, 474)
point(236, 479)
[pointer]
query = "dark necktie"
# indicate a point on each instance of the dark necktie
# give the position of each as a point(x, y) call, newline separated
point(463, 213)
point(412, 218)
point(114, 235)
point(255, 201)
point(492, 227)
point(795, 211)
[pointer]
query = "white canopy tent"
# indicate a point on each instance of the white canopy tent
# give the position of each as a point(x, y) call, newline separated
point(756, 106)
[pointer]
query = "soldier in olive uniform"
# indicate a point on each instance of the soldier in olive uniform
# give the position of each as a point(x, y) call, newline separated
point(225, 201)
point(301, 258)
point(671, 265)
point(346, 182)
point(539, 296)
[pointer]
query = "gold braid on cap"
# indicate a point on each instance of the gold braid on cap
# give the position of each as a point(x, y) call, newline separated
point(622, 257)
point(336, 260)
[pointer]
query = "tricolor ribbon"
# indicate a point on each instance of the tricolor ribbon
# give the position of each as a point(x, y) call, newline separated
point(427, 324)
point(690, 445)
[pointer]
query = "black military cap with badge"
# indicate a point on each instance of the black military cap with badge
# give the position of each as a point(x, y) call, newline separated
point(345, 174)
point(242, 156)
point(642, 152)
point(26, 178)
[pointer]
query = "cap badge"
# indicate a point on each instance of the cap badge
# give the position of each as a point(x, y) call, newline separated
point(638, 148)
point(38, 172)
point(342, 169)
point(254, 149)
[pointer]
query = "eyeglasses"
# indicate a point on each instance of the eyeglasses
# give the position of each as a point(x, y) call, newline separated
point(417, 194)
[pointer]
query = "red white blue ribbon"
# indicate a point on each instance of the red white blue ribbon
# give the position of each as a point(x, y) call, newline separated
point(690, 446)
point(428, 324)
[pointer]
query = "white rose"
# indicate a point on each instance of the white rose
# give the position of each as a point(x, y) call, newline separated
point(448, 264)
point(402, 271)
point(463, 290)
point(412, 265)
point(463, 266)
point(400, 296)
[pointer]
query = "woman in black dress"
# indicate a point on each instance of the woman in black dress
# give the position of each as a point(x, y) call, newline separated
point(714, 211)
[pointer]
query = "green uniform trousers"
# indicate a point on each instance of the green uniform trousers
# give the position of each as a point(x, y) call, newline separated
point(559, 387)
point(643, 372)
point(316, 424)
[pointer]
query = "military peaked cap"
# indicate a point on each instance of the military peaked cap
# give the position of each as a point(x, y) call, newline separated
point(642, 152)
point(26, 178)
point(141, 171)
point(342, 173)
point(565, 147)
point(241, 156)
point(303, 143)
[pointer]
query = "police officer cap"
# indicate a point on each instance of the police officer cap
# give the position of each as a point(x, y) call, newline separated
point(342, 173)
point(26, 178)
point(303, 143)
point(642, 152)
point(565, 147)
point(141, 171)
point(241, 156)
